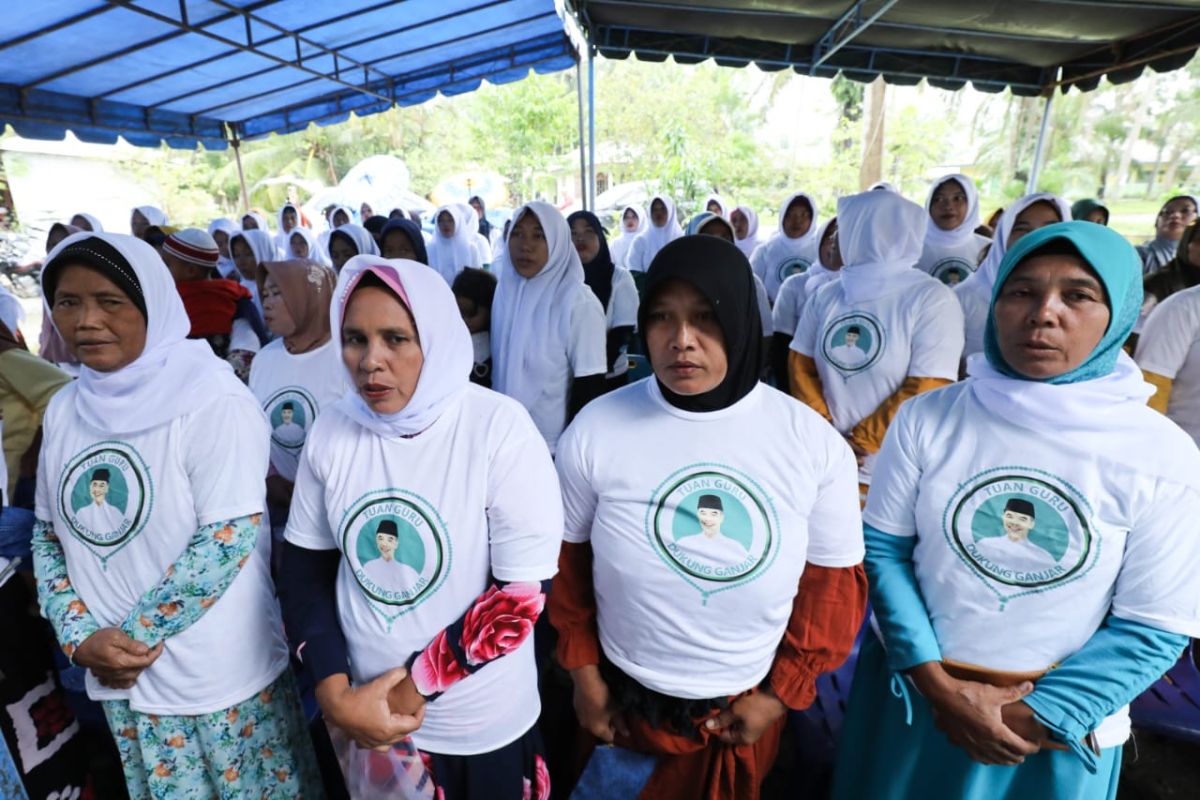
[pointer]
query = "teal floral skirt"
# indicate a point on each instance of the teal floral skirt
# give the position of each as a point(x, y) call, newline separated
point(258, 748)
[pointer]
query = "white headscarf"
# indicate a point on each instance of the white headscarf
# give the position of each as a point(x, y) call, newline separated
point(225, 264)
point(333, 211)
point(364, 242)
point(985, 277)
point(153, 214)
point(173, 376)
point(11, 311)
point(261, 244)
point(720, 201)
point(883, 186)
point(279, 216)
point(801, 244)
point(748, 244)
point(880, 235)
point(259, 218)
point(448, 255)
point(654, 238)
point(819, 274)
point(528, 314)
point(315, 251)
point(935, 236)
point(95, 223)
point(445, 343)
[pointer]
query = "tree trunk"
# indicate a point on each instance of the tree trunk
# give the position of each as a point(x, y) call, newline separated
point(1158, 157)
point(1177, 153)
point(1131, 138)
point(872, 163)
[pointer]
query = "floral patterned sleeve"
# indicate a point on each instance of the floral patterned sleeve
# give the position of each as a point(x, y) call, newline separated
point(197, 579)
point(60, 603)
point(497, 623)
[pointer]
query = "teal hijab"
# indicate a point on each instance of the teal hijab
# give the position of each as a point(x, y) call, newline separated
point(1120, 270)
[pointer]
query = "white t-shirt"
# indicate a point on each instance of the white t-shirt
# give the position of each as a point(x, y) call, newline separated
point(293, 389)
point(473, 495)
point(243, 337)
point(953, 265)
point(865, 351)
point(584, 352)
point(622, 311)
point(975, 301)
point(161, 486)
point(774, 262)
point(693, 603)
point(1026, 542)
point(763, 304)
point(789, 304)
point(1170, 346)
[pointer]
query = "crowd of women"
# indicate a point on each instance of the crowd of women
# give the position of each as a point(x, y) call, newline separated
point(297, 502)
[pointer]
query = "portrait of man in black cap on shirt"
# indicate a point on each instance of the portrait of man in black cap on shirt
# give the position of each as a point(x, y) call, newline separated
point(387, 572)
point(288, 433)
point(99, 516)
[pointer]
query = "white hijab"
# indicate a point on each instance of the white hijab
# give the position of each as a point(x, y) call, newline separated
point(315, 251)
point(445, 344)
point(880, 235)
point(349, 216)
point(1107, 416)
point(261, 244)
point(361, 238)
point(95, 223)
point(259, 218)
point(782, 245)
point(530, 315)
point(819, 274)
point(883, 186)
point(653, 237)
point(720, 201)
point(448, 255)
point(172, 377)
point(748, 244)
point(279, 217)
point(985, 277)
point(642, 218)
point(153, 214)
point(12, 313)
point(225, 264)
point(935, 236)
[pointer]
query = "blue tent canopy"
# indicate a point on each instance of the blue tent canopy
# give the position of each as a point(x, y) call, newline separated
point(202, 71)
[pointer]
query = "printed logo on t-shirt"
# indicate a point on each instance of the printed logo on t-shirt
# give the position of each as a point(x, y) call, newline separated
point(796, 265)
point(853, 342)
point(952, 271)
point(291, 411)
point(714, 526)
point(397, 548)
point(105, 496)
point(1021, 530)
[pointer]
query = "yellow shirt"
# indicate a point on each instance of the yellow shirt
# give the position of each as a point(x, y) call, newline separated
point(26, 385)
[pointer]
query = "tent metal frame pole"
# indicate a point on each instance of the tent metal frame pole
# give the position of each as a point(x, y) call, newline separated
point(1039, 150)
point(591, 128)
point(236, 143)
point(583, 174)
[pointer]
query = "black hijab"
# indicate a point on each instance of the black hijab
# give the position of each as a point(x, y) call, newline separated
point(721, 273)
point(412, 232)
point(598, 273)
point(485, 227)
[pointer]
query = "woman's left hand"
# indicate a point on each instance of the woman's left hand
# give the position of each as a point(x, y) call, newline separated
point(747, 718)
point(1021, 720)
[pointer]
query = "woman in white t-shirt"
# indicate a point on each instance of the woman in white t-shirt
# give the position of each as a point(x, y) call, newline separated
point(548, 328)
point(453, 246)
point(712, 529)
point(423, 533)
point(952, 247)
point(151, 563)
point(745, 227)
point(880, 334)
point(633, 222)
point(1031, 548)
point(792, 249)
point(794, 293)
point(249, 249)
point(662, 230)
point(1169, 355)
point(613, 287)
point(299, 373)
point(1031, 212)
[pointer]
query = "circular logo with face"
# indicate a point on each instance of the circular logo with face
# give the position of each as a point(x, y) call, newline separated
point(793, 266)
point(1021, 530)
point(105, 495)
point(852, 342)
point(952, 271)
point(714, 526)
point(291, 411)
point(396, 546)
